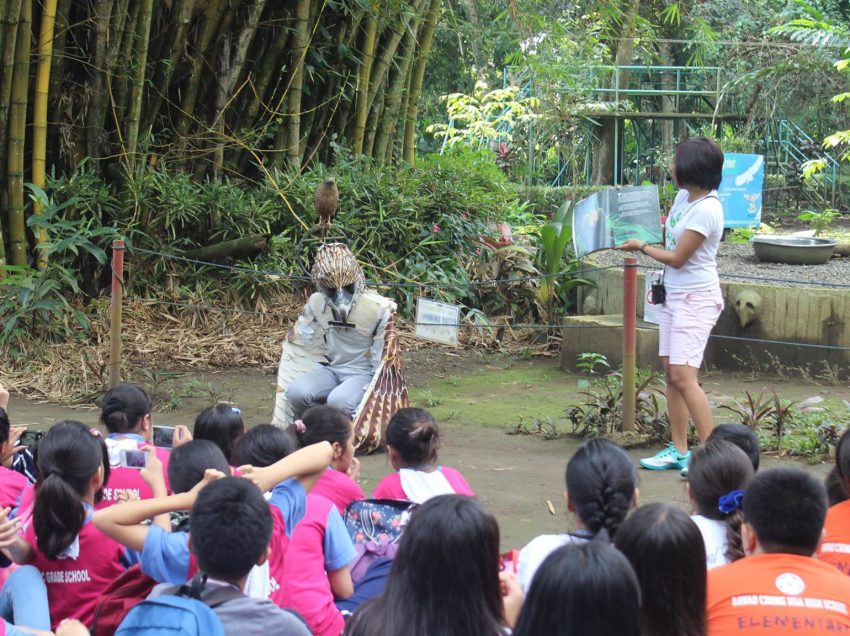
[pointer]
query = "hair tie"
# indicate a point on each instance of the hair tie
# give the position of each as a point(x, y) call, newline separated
point(300, 427)
point(731, 502)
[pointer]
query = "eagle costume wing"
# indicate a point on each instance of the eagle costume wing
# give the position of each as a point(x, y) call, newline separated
point(386, 394)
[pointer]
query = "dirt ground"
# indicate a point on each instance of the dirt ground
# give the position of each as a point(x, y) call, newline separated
point(476, 398)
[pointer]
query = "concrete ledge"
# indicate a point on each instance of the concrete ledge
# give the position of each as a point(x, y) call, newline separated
point(604, 334)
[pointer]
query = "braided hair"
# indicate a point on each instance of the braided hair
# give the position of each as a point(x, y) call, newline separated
point(601, 484)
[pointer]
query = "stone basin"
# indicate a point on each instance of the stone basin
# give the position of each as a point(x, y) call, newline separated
point(793, 250)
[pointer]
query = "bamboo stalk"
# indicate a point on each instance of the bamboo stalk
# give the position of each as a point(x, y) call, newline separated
point(10, 30)
point(57, 69)
point(122, 79)
point(39, 112)
point(409, 146)
point(97, 106)
point(268, 69)
point(138, 83)
point(180, 17)
point(17, 135)
point(367, 57)
point(299, 53)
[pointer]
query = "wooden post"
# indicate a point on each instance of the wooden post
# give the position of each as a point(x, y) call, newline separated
point(115, 312)
point(629, 340)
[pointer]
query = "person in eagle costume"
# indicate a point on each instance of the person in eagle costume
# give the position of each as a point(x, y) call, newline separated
point(344, 351)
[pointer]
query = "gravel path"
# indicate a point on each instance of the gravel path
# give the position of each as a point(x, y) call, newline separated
point(737, 261)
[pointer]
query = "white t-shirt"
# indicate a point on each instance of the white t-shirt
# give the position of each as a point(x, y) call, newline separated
point(534, 554)
point(714, 536)
point(704, 216)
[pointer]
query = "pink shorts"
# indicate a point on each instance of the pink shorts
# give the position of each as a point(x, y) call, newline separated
point(687, 319)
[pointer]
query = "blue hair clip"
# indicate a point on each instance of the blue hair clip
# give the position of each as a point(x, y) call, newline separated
point(236, 409)
point(731, 502)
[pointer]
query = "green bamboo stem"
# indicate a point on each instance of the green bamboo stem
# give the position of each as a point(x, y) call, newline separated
point(17, 135)
point(39, 115)
point(409, 144)
point(97, 105)
point(367, 58)
point(137, 85)
point(299, 53)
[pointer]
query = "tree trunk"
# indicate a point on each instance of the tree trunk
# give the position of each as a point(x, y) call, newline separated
point(470, 7)
point(604, 155)
point(39, 115)
point(10, 34)
point(138, 84)
point(300, 41)
point(367, 57)
point(409, 144)
point(57, 70)
point(236, 248)
point(122, 78)
point(17, 136)
point(269, 68)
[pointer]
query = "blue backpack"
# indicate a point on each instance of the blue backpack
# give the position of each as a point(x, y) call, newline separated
point(181, 613)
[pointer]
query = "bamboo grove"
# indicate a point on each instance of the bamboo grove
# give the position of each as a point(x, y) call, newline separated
point(217, 88)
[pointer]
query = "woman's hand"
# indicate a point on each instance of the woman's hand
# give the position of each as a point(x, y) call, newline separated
point(11, 446)
point(9, 528)
point(632, 245)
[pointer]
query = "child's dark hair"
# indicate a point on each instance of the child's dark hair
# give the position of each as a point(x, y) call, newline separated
point(667, 551)
point(786, 508)
point(189, 462)
point(221, 424)
point(68, 456)
point(123, 407)
point(323, 423)
point(263, 445)
point(231, 528)
point(5, 426)
point(842, 456)
point(699, 163)
point(717, 469)
point(414, 435)
point(601, 481)
point(741, 436)
point(582, 588)
point(835, 490)
point(445, 578)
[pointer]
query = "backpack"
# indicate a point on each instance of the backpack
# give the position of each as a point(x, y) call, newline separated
point(375, 527)
point(122, 595)
point(181, 613)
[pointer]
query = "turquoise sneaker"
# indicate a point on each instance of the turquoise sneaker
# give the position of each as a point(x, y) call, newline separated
point(667, 459)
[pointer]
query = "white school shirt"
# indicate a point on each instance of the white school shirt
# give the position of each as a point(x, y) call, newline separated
point(714, 536)
point(704, 216)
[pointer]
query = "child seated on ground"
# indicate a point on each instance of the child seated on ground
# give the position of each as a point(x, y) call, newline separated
point(126, 414)
point(12, 482)
point(222, 425)
point(412, 443)
point(165, 556)
point(324, 423)
point(601, 490)
point(232, 526)
point(665, 548)
point(445, 579)
point(586, 588)
point(718, 476)
point(76, 560)
point(835, 490)
point(741, 436)
point(779, 587)
point(835, 548)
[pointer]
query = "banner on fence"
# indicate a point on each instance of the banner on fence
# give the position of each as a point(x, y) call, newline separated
point(438, 322)
point(609, 217)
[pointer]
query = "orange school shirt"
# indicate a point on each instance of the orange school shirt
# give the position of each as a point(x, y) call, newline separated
point(835, 548)
point(778, 594)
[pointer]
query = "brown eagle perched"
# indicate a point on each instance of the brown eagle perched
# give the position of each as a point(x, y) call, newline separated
point(327, 201)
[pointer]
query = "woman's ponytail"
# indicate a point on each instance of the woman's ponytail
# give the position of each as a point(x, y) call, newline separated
point(69, 455)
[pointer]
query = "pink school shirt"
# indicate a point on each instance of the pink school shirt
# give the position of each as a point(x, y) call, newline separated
point(319, 544)
point(74, 585)
point(390, 486)
point(12, 486)
point(339, 488)
point(129, 479)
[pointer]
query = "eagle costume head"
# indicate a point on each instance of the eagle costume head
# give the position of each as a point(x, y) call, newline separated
point(339, 277)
